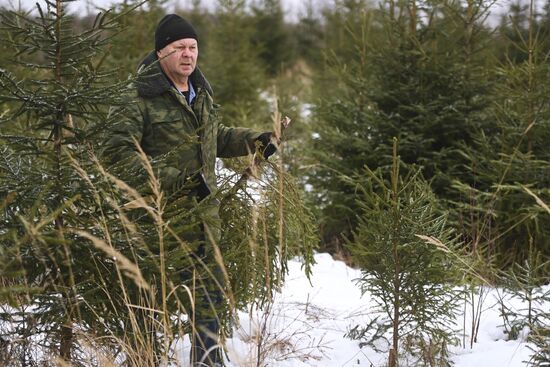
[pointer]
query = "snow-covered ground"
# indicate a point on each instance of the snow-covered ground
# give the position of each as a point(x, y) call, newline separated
point(307, 323)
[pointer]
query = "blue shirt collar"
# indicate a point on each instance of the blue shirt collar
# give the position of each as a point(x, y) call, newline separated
point(192, 93)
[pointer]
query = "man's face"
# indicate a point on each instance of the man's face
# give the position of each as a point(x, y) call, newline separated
point(179, 58)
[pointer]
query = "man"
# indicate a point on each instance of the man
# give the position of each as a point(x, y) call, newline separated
point(177, 127)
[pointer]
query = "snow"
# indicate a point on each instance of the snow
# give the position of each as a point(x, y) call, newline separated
point(308, 320)
point(494, 353)
point(306, 324)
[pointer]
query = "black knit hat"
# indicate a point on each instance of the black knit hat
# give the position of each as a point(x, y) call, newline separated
point(172, 28)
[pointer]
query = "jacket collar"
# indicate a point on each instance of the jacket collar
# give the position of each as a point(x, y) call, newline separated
point(151, 81)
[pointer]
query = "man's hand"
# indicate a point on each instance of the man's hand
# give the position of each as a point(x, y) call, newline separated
point(266, 146)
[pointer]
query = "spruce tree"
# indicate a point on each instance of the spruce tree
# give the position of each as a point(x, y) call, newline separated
point(308, 37)
point(233, 67)
point(340, 121)
point(137, 28)
point(53, 110)
point(524, 282)
point(421, 79)
point(272, 36)
point(402, 245)
point(512, 156)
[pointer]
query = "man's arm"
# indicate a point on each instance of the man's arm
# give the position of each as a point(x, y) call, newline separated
point(236, 141)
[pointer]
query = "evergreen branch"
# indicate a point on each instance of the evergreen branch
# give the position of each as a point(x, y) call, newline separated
point(257, 159)
point(18, 138)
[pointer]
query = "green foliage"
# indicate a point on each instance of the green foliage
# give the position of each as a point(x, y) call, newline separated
point(308, 36)
point(409, 277)
point(497, 212)
point(233, 67)
point(428, 80)
point(421, 71)
point(137, 29)
point(345, 27)
point(340, 143)
point(522, 21)
point(53, 112)
point(540, 338)
point(524, 282)
point(527, 283)
point(264, 226)
point(78, 254)
point(271, 36)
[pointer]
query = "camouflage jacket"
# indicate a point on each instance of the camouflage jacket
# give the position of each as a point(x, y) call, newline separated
point(182, 141)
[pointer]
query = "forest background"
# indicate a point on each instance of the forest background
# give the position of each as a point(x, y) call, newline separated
point(466, 100)
point(461, 85)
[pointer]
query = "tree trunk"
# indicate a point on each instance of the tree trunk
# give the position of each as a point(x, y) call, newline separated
point(392, 360)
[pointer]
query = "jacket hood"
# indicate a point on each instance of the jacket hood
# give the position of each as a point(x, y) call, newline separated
point(152, 82)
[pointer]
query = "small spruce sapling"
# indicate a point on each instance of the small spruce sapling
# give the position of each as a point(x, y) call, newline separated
point(524, 282)
point(409, 279)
